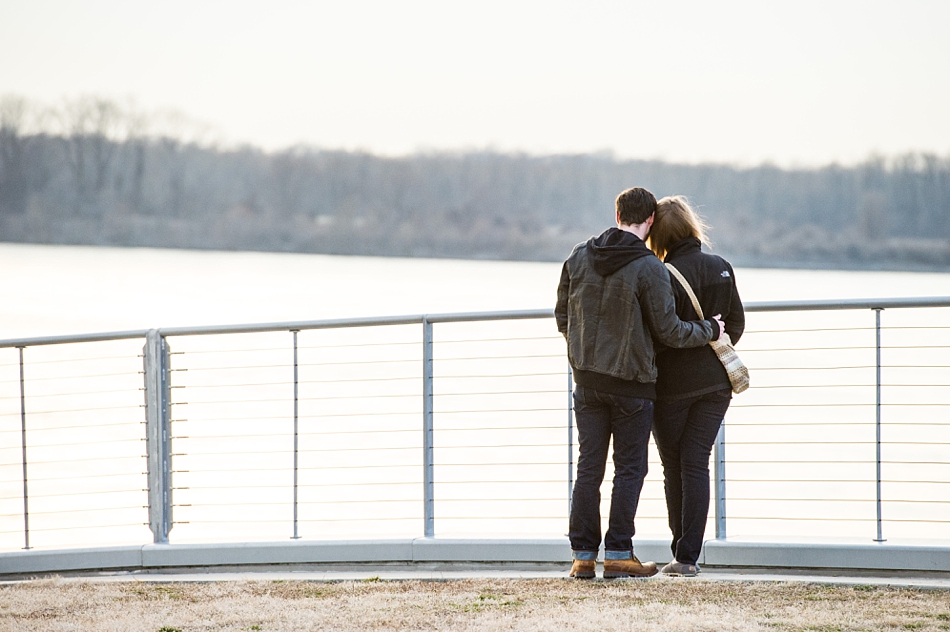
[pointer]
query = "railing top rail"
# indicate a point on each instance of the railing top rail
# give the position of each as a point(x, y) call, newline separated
point(73, 338)
point(846, 304)
point(758, 306)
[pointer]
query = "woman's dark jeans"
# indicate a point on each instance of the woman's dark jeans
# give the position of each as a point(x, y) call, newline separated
point(600, 416)
point(685, 430)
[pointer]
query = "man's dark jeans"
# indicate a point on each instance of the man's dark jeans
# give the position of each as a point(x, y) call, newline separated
point(685, 430)
point(600, 416)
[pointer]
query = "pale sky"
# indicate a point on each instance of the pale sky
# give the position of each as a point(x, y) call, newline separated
point(798, 83)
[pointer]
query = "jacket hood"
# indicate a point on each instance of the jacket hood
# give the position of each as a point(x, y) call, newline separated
point(615, 248)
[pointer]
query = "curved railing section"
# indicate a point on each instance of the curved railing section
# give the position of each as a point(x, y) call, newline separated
point(455, 426)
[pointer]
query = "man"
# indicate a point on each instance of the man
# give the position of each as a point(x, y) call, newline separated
point(613, 299)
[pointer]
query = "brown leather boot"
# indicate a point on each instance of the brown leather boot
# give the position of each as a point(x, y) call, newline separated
point(584, 569)
point(630, 567)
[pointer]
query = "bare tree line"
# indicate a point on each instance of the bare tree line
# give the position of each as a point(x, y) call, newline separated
point(92, 171)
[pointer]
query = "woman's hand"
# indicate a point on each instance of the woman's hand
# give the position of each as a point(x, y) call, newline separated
point(722, 325)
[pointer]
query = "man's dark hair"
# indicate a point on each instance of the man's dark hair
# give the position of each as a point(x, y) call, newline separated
point(635, 206)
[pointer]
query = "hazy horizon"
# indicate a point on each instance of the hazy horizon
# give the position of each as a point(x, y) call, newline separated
point(741, 83)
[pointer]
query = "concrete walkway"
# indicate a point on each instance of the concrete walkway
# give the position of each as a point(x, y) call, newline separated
point(450, 572)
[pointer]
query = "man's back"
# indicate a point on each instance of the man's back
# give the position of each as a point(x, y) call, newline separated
point(614, 296)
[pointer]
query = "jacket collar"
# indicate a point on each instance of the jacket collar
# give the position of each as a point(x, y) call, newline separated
point(686, 246)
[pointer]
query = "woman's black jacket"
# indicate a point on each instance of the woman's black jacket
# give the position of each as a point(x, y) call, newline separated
point(690, 372)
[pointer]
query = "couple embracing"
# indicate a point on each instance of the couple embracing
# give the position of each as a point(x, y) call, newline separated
point(642, 361)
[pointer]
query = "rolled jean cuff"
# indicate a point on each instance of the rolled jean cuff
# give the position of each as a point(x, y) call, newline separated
point(618, 555)
point(584, 555)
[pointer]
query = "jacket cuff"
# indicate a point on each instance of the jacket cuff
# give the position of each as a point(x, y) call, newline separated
point(716, 329)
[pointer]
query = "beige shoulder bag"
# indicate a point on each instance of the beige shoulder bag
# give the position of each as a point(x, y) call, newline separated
point(736, 370)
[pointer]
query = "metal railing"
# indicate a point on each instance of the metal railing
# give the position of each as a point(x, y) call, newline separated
point(332, 427)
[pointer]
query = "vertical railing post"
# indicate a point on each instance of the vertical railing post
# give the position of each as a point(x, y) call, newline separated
point(570, 439)
point(720, 480)
point(26, 493)
point(877, 423)
point(296, 535)
point(428, 474)
point(158, 435)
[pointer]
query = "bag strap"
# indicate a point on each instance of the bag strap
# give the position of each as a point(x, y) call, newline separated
point(679, 277)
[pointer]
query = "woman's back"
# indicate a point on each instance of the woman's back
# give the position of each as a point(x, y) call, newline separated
point(696, 371)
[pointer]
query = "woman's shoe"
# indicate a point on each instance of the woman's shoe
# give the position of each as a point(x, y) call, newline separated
point(679, 569)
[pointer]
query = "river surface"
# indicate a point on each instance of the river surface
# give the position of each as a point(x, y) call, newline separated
point(75, 289)
point(801, 443)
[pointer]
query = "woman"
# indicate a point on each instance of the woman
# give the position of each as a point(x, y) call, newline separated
point(693, 390)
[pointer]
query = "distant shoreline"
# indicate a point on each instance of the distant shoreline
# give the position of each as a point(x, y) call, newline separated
point(739, 261)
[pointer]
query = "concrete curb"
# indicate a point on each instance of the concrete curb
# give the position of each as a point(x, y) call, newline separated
point(422, 551)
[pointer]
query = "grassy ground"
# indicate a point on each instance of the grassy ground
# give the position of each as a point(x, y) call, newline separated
point(492, 604)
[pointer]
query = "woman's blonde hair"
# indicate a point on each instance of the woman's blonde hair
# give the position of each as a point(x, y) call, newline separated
point(675, 220)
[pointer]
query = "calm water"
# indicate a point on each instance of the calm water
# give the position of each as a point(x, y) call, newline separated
point(801, 451)
point(72, 289)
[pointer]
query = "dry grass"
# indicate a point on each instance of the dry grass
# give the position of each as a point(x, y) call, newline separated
point(667, 605)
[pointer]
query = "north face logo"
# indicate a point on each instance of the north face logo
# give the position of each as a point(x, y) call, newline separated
point(725, 274)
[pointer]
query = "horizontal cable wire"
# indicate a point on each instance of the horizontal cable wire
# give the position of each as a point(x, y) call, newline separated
point(74, 394)
point(560, 391)
point(801, 405)
point(278, 503)
point(300, 485)
point(866, 481)
point(785, 424)
point(88, 376)
point(361, 380)
point(75, 477)
point(34, 495)
point(500, 375)
point(804, 331)
point(548, 499)
point(304, 520)
point(481, 340)
point(500, 358)
point(787, 442)
point(73, 511)
point(304, 433)
point(287, 365)
point(194, 352)
point(441, 428)
point(289, 451)
point(31, 429)
point(501, 445)
point(499, 410)
point(80, 527)
point(288, 382)
point(787, 349)
point(813, 368)
point(789, 462)
point(28, 362)
point(91, 459)
point(776, 386)
point(360, 362)
point(804, 519)
point(360, 397)
point(266, 400)
point(363, 344)
point(73, 410)
point(302, 469)
point(301, 417)
point(863, 481)
point(530, 517)
point(77, 444)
